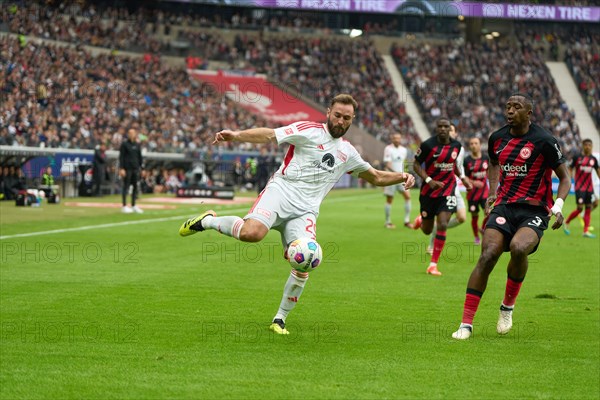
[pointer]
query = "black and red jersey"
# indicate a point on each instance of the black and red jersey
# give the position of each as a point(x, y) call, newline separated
point(476, 170)
point(438, 160)
point(584, 166)
point(526, 164)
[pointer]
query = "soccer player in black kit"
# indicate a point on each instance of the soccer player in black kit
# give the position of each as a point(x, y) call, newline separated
point(438, 155)
point(476, 166)
point(583, 165)
point(523, 156)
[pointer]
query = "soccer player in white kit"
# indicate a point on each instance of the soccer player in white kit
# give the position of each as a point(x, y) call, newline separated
point(317, 158)
point(394, 157)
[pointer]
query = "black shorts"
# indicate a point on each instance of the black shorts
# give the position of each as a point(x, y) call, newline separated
point(475, 204)
point(509, 218)
point(432, 206)
point(584, 197)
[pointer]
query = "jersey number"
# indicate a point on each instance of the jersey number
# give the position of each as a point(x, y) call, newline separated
point(310, 228)
point(451, 201)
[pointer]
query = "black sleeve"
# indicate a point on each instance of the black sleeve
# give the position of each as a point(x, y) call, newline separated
point(422, 152)
point(122, 151)
point(552, 154)
point(140, 156)
point(493, 156)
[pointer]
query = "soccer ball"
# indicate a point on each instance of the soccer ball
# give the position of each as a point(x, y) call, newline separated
point(305, 254)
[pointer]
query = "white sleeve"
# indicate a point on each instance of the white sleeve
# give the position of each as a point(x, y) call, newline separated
point(460, 160)
point(356, 164)
point(290, 134)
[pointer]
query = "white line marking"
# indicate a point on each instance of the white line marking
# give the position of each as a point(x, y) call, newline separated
point(146, 221)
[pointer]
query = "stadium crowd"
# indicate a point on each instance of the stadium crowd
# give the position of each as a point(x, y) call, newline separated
point(466, 82)
point(321, 67)
point(98, 95)
point(57, 96)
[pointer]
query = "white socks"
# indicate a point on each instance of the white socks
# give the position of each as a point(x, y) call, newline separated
point(407, 212)
point(291, 293)
point(230, 226)
point(388, 213)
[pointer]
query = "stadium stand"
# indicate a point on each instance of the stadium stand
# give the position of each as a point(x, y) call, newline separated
point(468, 82)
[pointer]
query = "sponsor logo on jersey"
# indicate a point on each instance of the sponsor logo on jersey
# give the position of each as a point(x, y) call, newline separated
point(586, 168)
point(514, 169)
point(479, 175)
point(444, 166)
point(328, 159)
point(525, 153)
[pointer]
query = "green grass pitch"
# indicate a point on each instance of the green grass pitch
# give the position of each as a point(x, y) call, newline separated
point(128, 309)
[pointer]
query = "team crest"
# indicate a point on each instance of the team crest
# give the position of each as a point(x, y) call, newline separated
point(418, 151)
point(500, 220)
point(580, 200)
point(424, 214)
point(288, 131)
point(484, 165)
point(591, 163)
point(525, 153)
point(454, 154)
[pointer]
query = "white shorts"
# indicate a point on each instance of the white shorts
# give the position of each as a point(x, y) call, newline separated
point(392, 189)
point(460, 201)
point(276, 212)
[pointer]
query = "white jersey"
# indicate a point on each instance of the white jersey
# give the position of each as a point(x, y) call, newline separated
point(396, 156)
point(313, 164)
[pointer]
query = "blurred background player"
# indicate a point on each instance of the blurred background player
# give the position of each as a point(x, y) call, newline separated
point(99, 171)
point(316, 159)
point(475, 167)
point(461, 212)
point(583, 165)
point(522, 156)
point(394, 157)
point(130, 163)
point(439, 156)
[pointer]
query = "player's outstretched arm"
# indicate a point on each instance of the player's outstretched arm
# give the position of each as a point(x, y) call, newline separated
point(564, 185)
point(254, 135)
point(386, 178)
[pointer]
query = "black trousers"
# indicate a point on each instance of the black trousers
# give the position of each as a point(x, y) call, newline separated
point(132, 176)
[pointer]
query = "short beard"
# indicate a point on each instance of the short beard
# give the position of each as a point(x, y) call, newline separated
point(336, 131)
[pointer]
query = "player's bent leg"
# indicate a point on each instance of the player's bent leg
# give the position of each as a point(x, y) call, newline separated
point(427, 225)
point(493, 245)
point(253, 230)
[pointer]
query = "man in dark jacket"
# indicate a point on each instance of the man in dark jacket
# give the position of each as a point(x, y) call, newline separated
point(130, 164)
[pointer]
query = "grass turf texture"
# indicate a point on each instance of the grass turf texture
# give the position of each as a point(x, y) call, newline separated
point(135, 311)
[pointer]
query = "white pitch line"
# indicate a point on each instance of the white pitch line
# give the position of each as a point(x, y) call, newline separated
point(113, 224)
point(145, 221)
